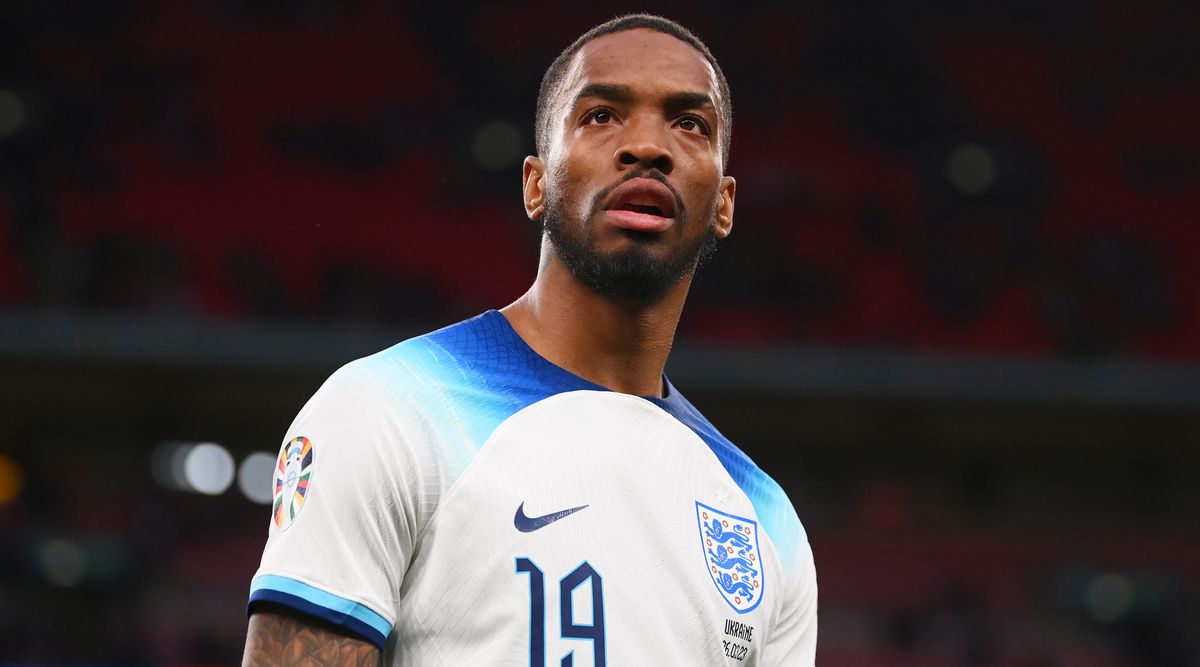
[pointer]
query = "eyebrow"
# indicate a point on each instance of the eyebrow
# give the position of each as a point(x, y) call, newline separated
point(674, 102)
point(607, 91)
point(679, 101)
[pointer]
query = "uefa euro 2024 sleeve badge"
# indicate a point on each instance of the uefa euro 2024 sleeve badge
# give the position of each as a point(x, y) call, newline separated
point(730, 547)
point(293, 478)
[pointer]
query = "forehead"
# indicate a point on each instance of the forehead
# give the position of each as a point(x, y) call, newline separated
point(646, 60)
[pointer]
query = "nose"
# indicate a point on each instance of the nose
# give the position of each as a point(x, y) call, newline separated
point(645, 148)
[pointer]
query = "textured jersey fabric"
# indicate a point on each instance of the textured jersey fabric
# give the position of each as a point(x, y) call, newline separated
point(466, 502)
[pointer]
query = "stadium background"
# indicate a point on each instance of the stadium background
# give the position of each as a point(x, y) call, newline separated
point(958, 318)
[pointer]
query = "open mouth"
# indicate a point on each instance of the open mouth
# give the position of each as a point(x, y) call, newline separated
point(641, 205)
point(648, 209)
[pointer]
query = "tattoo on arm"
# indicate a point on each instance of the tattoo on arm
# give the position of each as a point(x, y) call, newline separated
point(278, 639)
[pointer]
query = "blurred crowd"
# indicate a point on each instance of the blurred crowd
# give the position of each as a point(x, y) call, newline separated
point(1014, 178)
point(999, 179)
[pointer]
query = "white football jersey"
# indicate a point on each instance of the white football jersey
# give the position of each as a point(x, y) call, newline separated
point(459, 500)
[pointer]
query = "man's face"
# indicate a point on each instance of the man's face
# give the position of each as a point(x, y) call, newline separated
point(632, 184)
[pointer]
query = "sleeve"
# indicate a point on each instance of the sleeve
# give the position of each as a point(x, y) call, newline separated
point(344, 511)
point(793, 641)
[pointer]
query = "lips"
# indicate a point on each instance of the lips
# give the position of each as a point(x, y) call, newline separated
point(641, 204)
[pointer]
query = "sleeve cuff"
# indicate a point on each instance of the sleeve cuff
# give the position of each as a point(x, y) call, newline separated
point(357, 618)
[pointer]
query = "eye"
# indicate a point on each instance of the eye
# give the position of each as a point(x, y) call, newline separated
point(693, 124)
point(598, 117)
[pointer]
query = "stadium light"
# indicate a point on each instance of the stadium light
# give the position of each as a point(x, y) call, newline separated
point(63, 562)
point(11, 479)
point(208, 468)
point(204, 467)
point(254, 477)
point(12, 113)
point(166, 465)
point(1109, 597)
point(971, 169)
point(497, 145)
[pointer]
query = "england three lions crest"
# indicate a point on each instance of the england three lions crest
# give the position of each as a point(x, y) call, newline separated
point(730, 547)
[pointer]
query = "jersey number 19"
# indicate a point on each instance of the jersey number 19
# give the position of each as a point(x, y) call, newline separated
point(570, 629)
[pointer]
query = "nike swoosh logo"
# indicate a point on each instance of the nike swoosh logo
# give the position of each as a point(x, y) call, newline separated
point(527, 524)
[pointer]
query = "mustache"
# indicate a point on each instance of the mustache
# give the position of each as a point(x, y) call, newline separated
point(654, 174)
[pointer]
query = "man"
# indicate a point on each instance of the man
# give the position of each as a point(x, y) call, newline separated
point(526, 487)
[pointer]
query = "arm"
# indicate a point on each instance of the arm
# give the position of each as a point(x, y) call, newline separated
point(277, 639)
point(793, 640)
point(332, 572)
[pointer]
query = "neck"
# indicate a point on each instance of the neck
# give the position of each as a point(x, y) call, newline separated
point(615, 344)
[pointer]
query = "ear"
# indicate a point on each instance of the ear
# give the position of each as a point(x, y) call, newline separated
point(533, 180)
point(724, 221)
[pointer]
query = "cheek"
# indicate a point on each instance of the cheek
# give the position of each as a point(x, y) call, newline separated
point(703, 194)
point(558, 191)
point(570, 187)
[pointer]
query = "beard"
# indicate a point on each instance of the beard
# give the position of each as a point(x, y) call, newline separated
point(631, 274)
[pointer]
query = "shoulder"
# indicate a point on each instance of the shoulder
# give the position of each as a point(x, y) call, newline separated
point(771, 503)
point(454, 385)
point(438, 356)
point(469, 353)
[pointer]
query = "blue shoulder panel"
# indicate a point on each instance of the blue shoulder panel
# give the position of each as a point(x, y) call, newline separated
point(472, 376)
point(770, 502)
point(486, 372)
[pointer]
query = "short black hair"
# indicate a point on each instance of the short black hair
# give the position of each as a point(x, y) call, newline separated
point(554, 74)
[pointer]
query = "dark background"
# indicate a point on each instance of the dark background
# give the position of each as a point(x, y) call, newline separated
point(958, 320)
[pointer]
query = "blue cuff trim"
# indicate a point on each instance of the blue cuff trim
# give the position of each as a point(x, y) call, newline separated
point(353, 616)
